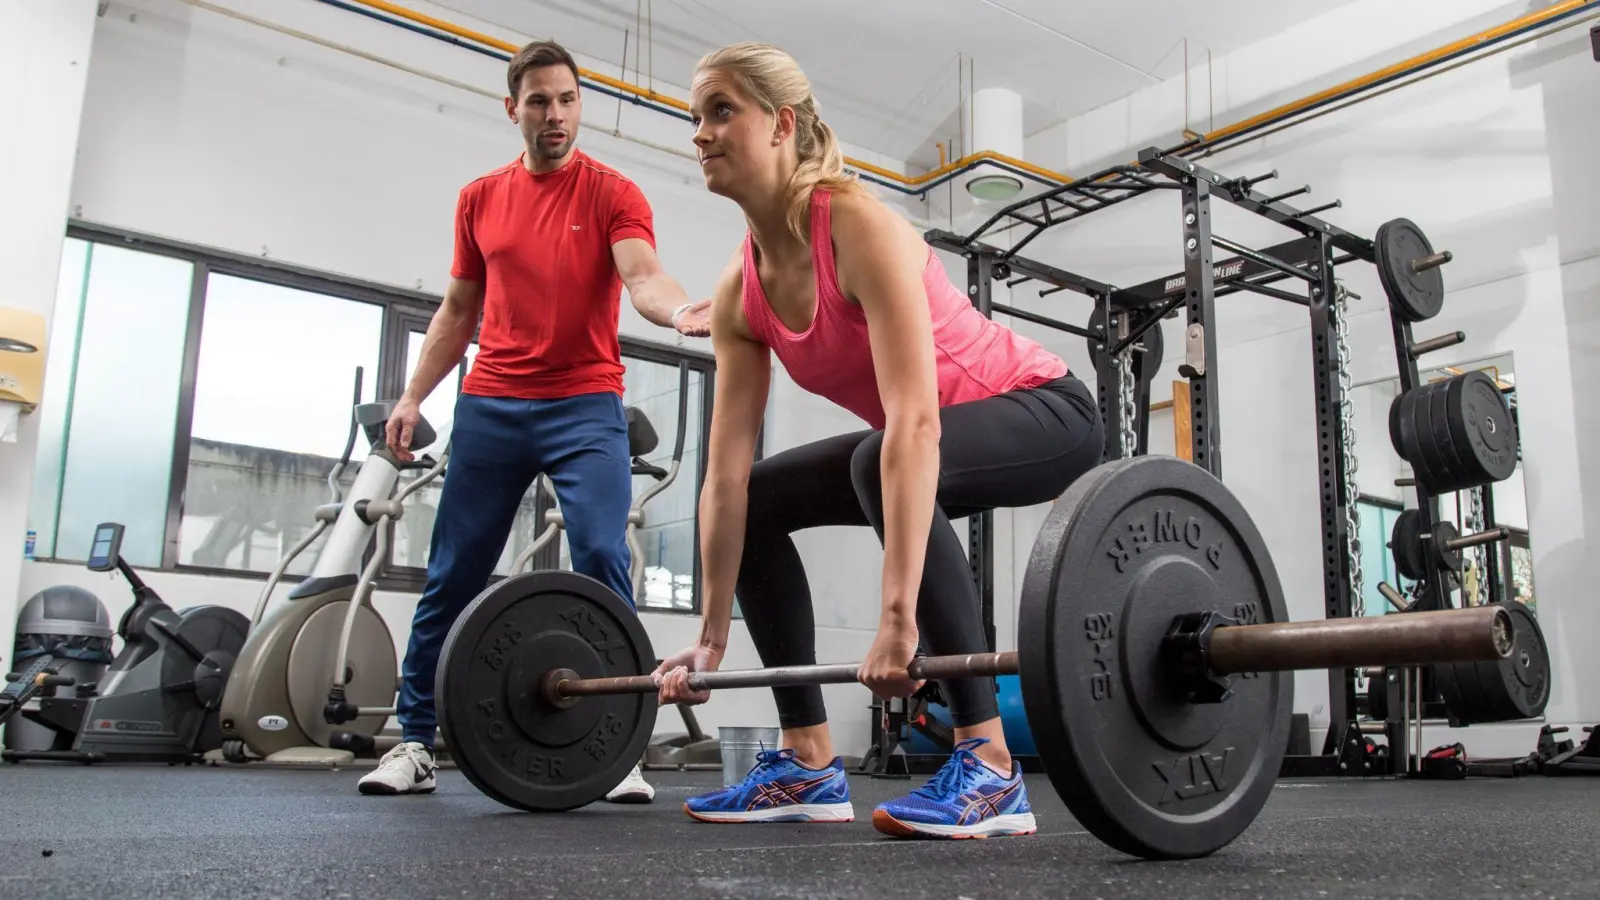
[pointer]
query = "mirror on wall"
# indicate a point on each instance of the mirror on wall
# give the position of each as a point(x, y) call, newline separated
point(1382, 501)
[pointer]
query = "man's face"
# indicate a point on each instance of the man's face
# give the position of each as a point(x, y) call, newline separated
point(547, 110)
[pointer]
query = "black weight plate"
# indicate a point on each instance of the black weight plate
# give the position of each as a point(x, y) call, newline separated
point(504, 736)
point(1403, 434)
point(1410, 559)
point(1128, 547)
point(1454, 468)
point(1378, 697)
point(1430, 463)
point(1146, 364)
point(1482, 428)
point(1504, 690)
point(1416, 296)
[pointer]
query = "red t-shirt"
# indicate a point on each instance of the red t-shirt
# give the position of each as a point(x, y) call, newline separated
point(541, 246)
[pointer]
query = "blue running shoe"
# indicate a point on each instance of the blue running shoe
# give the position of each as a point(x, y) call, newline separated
point(779, 789)
point(966, 799)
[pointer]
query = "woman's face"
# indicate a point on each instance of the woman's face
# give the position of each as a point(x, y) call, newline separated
point(740, 145)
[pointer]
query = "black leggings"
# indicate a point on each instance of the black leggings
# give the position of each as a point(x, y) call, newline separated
point(1016, 449)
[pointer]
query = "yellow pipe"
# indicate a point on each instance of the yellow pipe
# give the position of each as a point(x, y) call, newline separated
point(1421, 59)
point(656, 97)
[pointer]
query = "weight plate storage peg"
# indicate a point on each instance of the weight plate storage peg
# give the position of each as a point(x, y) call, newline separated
point(1146, 364)
point(512, 742)
point(1130, 546)
point(1408, 268)
point(1506, 690)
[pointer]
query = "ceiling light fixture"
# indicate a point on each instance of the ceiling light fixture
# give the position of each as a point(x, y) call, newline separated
point(994, 187)
point(15, 346)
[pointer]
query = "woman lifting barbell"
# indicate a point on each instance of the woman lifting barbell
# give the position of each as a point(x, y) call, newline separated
point(965, 416)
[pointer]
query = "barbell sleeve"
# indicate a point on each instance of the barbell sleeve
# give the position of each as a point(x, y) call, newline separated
point(1414, 638)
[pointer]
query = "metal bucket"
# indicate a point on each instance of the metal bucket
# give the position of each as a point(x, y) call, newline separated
point(740, 746)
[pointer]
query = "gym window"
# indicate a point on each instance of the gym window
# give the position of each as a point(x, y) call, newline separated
point(202, 399)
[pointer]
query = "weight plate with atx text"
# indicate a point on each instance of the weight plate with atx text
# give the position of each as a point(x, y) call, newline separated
point(1416, 554)
point(1130, 546)
point(1504, 690)
point(1416, 296)
point(1410, 554)
point(510, 741)
point(1482, 429)
point(1407, 441)
point(1457, 433)
point(1433, 414)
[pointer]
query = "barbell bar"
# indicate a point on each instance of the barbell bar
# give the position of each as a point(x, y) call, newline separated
point(1421, 638)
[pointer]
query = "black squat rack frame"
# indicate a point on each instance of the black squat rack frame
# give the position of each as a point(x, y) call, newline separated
point(1126, 319)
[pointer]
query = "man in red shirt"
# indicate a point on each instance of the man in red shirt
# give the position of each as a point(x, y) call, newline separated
point(543, 248)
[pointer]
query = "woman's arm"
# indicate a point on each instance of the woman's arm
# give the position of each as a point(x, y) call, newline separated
point(880, 261)
point(744, 370)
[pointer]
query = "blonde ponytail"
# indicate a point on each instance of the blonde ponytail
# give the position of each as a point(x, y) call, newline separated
point(773, 79)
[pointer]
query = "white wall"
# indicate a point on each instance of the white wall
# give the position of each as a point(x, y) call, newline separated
point(1495, 161)
point(221, 133)
point(44, 64)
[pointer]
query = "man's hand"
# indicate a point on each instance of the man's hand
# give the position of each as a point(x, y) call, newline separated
point(397, 432)
point(694, 320)
point(654, 293)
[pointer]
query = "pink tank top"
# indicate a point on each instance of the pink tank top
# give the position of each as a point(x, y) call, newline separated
point(976, 357)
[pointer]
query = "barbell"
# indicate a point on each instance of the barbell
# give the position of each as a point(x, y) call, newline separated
point(1152, 645)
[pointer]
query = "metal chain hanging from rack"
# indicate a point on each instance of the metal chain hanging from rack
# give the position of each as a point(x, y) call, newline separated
point(1124, 365)
point(1480, 553)
point(1347, 437)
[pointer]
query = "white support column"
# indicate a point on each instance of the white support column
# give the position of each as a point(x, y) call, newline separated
point(44, 67)
point(996, 126)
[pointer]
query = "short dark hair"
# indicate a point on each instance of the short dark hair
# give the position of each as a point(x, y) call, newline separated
point(537, 55)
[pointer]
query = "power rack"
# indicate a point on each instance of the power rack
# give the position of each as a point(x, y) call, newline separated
point(1125, 345)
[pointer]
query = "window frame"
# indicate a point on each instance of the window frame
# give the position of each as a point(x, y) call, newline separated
point(403, 311)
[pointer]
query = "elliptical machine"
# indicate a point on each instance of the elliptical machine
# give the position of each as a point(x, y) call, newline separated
point(158, 700)
point(317, 677)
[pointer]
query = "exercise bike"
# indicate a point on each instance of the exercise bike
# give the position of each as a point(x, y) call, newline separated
point(316, 679)
point(695, 748)
point(158, 700)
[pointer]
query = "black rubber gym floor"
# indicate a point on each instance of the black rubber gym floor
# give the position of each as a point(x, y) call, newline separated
point(204, 832)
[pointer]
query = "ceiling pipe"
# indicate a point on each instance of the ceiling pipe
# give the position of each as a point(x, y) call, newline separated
point(615, 87)
point(921, 184)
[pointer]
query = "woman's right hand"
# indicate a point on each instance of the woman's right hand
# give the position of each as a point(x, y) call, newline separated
point(672, 676)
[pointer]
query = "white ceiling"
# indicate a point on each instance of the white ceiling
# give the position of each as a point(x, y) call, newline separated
point(886, 71)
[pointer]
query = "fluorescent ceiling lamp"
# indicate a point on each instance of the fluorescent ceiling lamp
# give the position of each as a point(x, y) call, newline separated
point(994, 187)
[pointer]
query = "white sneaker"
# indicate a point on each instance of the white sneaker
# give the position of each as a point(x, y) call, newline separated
point(407, 769)
point(633, 789)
